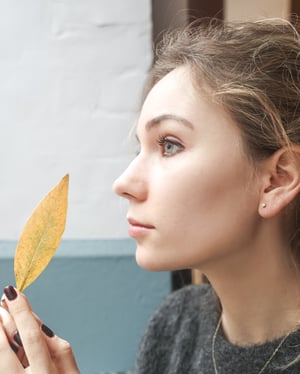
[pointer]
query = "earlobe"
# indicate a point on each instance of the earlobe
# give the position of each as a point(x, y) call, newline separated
point(281, 181)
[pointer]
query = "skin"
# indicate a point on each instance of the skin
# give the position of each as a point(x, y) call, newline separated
point(196, 201)
point(43, 354)
point(192, 193)
point(191, 189)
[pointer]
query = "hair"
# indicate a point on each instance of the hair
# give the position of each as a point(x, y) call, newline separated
point(252, 69)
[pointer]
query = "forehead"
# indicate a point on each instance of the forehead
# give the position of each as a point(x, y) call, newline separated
point(176, 95)
point(174, 92)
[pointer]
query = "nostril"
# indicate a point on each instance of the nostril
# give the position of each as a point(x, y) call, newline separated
point(127, 195)
point(119, 188)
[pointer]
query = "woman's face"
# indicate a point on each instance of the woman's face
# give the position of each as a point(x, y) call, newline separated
point(192, 191)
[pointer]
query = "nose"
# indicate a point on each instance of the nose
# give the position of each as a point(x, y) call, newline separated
point(131, 184)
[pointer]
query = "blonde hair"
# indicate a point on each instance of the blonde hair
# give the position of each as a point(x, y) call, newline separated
point(253, 70)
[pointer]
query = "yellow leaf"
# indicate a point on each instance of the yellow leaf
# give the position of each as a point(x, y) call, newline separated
point(41, 235)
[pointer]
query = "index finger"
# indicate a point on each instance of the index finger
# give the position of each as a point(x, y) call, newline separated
point(29, 329)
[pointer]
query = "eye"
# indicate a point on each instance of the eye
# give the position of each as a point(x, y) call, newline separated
point(169, 146)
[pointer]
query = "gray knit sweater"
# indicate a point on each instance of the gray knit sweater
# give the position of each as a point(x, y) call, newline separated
point(178, 340)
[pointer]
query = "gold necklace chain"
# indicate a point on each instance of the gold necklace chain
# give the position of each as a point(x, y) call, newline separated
point(266, 363)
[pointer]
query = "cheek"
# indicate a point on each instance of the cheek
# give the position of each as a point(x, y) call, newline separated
point(188, 191)
point(213, 204)
point(202, 210)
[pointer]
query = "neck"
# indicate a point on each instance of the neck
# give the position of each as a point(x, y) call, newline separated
point(260, 301)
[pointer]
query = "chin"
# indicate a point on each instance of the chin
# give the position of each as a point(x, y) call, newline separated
point(147, 263)
point(152, 261)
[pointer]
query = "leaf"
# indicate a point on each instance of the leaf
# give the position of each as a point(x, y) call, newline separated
point(41, 235)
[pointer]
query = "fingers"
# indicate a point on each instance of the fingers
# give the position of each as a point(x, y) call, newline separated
point(62, 354)
point(10, 327)
point(40, 343)
point(13, 336)
point(3, 303)
point(29, 329)
point(9, 363)
point(61, 351)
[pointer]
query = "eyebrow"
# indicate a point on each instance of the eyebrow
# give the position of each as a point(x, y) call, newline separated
point(166, 117)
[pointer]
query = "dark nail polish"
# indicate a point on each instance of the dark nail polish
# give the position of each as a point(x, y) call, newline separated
point(17, 339)
point(47, 331)
point(14, 347)
point(10, 293)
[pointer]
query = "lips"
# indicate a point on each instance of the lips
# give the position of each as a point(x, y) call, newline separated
point(138, 229)
point(133, 222)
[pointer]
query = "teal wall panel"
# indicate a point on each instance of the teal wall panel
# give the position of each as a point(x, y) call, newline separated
point(94, 295)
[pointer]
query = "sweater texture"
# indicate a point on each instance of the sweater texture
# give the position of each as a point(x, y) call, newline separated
point(178, 340)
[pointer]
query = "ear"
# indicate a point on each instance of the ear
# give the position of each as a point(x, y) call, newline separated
point(281, 181)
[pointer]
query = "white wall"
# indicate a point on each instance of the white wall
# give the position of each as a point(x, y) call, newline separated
point(71, 73)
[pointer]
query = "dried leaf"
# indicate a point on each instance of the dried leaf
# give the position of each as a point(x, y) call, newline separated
point(41, 235)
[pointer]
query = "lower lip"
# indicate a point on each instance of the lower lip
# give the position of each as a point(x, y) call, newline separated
point(135, 231)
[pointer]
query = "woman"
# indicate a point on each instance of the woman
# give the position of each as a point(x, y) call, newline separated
point(214, 187)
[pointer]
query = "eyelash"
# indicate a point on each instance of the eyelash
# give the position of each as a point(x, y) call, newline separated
point(164, 140)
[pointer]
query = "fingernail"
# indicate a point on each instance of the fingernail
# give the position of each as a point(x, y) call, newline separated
point(17, 339)
point(14, 347)
point(47, 331)
point(10, 293)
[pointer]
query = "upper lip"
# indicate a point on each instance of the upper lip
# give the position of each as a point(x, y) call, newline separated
point(134, 222)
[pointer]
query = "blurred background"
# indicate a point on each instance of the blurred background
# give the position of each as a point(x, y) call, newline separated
point(71, 73)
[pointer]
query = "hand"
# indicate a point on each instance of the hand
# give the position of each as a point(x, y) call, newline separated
point(35, 349)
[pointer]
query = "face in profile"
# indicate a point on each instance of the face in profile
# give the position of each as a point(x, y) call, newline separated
point(192, 192)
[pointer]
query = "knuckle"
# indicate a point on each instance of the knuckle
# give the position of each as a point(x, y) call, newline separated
point(21, 310)
point(20, 314)
point(32, 337)
point(18, 307)
point(64, 347)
